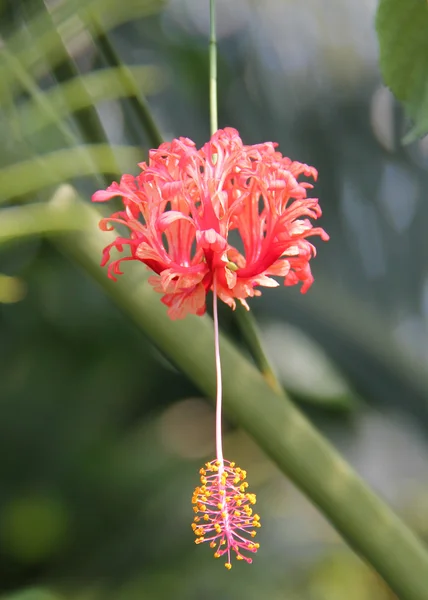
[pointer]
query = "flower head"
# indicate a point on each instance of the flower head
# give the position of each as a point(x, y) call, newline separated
point(224, 514)
point(227, 211)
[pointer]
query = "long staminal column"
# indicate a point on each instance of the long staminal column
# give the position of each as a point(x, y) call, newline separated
point(223, 506)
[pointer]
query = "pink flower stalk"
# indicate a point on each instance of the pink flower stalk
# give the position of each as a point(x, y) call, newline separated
point(224, 218)
point(229, 212)
point(224, 516)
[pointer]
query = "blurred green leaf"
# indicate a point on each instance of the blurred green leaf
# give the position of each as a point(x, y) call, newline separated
point(22, 222)
point(32, 594)
point(402, 29)
point(35, 174)
point(105, 84)
point(72, 19)
point(29, 84)
point(12, 289)
point(343, 575)
point(304, 368)
point(137, 101)
point(33, 527)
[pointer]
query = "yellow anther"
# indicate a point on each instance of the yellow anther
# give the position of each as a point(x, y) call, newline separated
point(217, 554)
point(224, 514)
point(239, 557)
point(232, 464)
point(256, 517)
point(202, 471)
point(206, 518)
point(231, 266)
point(212, 544)
point(197, 519)
point(228, 566)
point(199, 540)
point(219, 505)
point(253, 533)
point(236, 513)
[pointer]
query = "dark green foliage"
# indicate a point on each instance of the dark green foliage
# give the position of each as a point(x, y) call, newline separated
point(402, 28)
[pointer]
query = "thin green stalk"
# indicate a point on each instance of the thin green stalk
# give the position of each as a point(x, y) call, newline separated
point(244, 318)
point(363, 519)
point(213, 70)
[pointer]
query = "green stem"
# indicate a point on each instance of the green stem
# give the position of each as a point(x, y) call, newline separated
point(363, 519)
point(213, 70)
point(244, 318)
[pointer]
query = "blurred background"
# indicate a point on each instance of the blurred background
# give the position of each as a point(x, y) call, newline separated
point(101, 438)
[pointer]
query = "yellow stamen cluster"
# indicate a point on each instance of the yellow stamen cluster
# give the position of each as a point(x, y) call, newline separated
point(223, 511)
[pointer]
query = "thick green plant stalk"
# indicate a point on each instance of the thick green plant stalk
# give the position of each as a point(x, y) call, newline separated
point(364, 520)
